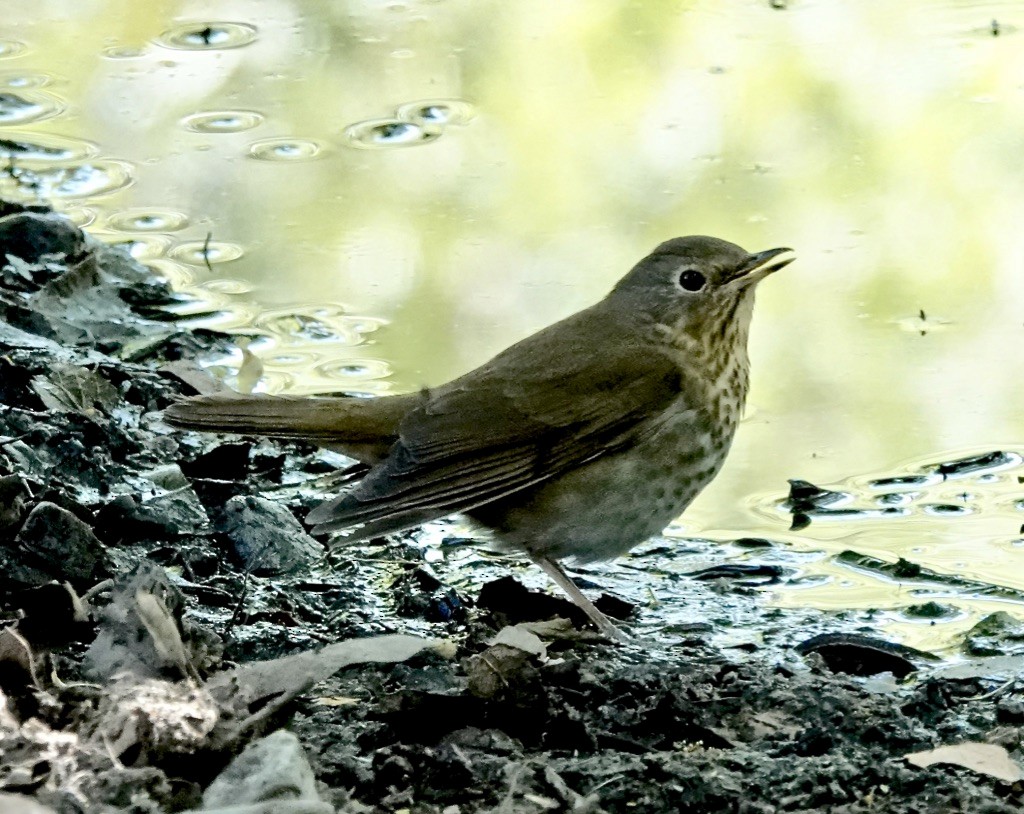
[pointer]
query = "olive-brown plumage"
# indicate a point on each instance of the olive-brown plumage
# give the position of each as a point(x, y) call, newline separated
point(581, 440)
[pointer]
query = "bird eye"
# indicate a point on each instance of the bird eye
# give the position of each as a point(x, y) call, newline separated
point(692, 280)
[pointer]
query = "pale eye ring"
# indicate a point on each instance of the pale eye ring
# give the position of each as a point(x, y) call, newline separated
point(692, 280)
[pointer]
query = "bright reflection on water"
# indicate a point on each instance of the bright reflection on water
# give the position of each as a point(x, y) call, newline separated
point(543, 149)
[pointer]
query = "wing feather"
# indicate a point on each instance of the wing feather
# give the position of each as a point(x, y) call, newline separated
point(507, 426)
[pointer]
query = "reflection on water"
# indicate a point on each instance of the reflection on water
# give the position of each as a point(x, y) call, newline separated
point(961, 518)
point(544, 149)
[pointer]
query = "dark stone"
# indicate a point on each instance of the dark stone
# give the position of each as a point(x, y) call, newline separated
point(14, 496)
point(974, 464)
point(1010, 711)
point(512, 600)
point(805, 495)
point(223, 462)
point(127, 518)
point(57, 545)
point(614, 606)
point(863, 655)
point(30, 235)
point(51, 614)
point(267, 538)
point(420, 594)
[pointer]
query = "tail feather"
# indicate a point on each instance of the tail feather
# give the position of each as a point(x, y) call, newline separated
point(363, 428)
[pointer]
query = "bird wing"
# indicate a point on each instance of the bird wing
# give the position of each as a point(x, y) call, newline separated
point(507, 426)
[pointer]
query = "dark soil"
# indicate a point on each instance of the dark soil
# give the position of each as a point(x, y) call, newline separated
point(142, 569)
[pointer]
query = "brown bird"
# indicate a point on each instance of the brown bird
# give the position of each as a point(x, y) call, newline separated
point(580, 441)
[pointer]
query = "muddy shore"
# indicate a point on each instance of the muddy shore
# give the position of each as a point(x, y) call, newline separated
point(174, 640)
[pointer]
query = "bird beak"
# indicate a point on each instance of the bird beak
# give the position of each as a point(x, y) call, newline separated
point(758, 266)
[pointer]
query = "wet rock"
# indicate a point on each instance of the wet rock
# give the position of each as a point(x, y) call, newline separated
point(1010, 711)
point(746, 573)
point(615, 607)
point(14, 498)
point(128, 518)
point(863, 655)
point(223, 462)
point(994, 635)
point(930, 610)
point(58, 545)
point(31, 235)
point(807, 502)
point(753, 543)
point(502, 667)
point(20, 457)
point(909, 572)
point(218, 474)
point(420, 594)
point(184, 346)
point(267, 537)
point(511, 600)
point(804, 496)
point(905, 569)
point(51, 614)
point(18, 664)
point(15, 384)
point(976, 464)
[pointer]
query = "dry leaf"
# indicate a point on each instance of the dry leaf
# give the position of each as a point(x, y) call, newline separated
point(336, 701)
point(269, 685)
point(77, 390)
point(520, 638)
point(251, 370)
point(984, 758)
point(163, 630)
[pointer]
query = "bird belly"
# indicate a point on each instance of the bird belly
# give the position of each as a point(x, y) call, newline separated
point(606, 507)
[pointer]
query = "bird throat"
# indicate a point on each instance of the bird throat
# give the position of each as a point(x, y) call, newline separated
point(713, 353)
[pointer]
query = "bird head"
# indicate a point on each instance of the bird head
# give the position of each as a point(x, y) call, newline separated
point(698, 286)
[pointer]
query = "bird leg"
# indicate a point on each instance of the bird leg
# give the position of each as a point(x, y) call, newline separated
point(554, 570)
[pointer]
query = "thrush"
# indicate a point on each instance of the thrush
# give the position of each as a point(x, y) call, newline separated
point(580, 441)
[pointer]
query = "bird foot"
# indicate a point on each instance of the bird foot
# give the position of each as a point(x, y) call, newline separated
point(605, 625)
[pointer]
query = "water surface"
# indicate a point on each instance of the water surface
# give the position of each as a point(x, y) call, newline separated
point(390, 192)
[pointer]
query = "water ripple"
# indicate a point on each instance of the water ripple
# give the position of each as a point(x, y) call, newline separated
point(208, 36)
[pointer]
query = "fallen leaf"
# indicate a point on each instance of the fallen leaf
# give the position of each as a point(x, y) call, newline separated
point(17, 660)
point(196, 377)
point(984, 758)
point(251, 370)
point(163, 629)
point(520, 638)
point(68, 388)
point(336, 701)
point(267, 686)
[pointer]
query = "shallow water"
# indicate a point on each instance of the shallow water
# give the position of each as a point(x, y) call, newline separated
point(385, 194)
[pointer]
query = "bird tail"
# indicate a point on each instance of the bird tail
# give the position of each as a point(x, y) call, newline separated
point(362, 428)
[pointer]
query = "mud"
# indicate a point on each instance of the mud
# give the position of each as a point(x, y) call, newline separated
point(165, 611)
